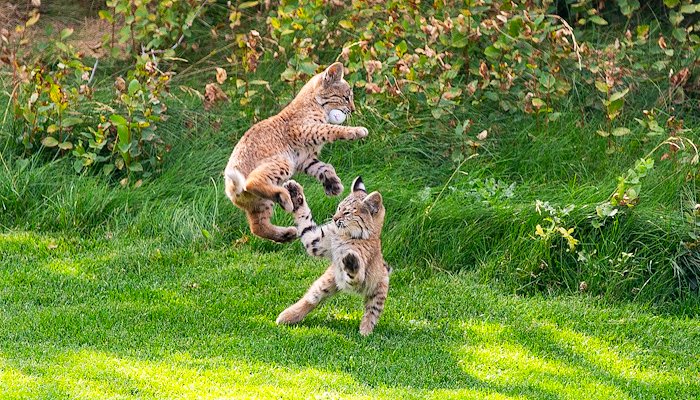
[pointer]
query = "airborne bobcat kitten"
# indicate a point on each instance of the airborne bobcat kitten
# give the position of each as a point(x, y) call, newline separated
point(271, 151)
point(352, 242)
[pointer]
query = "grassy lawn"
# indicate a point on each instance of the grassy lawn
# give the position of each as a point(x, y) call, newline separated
point(131, 318)
point(157, 291)
point(153, 288)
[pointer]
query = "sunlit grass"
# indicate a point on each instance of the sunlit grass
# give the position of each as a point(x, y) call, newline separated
point(130, 318)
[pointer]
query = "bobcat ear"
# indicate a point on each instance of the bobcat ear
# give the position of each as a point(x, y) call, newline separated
point(333, 74)
point(373, 202)
point(358, 185)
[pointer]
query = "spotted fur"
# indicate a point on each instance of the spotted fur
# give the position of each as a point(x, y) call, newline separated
point(273, 150)
point(352, 243)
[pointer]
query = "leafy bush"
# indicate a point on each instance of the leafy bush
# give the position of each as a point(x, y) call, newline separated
point(53, 101)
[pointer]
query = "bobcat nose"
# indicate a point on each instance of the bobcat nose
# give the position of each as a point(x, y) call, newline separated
point(351, 106)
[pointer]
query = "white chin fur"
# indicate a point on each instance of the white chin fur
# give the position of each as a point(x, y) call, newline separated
point(336, 117)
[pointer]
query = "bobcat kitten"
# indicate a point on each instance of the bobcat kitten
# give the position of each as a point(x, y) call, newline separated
point(271, 151)
point(352, 243)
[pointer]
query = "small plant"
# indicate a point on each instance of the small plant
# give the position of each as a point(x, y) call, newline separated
point(142, 26)
point(49, 91)
point(126, 139)
point(555, 226)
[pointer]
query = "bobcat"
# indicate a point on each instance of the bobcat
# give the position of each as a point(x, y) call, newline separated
point(272, 150)
point(352, 244)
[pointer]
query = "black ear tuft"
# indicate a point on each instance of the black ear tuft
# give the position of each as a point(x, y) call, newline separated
point(373, 202)
point(333, 74)
point(357, 184)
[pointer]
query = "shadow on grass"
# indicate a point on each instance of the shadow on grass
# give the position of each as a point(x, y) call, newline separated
point(132, 320)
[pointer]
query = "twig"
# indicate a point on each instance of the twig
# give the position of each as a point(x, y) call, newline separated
point(9, 101)
point(212, 53)
point(429, 209)
point(577, 49)
point(94, 68)
point(182, 37)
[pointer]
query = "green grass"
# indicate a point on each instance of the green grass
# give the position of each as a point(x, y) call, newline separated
point(123, 317)
point(158, 291)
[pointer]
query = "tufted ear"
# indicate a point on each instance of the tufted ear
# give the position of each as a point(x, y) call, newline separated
point(358, 185)
point(333, 74)
point(373, 202)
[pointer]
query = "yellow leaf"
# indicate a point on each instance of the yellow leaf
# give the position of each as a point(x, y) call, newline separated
point(539, 231)
point(33, 20)
point(220, 75)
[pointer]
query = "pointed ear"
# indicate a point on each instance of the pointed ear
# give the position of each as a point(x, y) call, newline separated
point(333, 74)
point(358, 185)
point(373, 202)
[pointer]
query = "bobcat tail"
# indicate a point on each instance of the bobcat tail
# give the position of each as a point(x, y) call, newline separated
point(235, 183)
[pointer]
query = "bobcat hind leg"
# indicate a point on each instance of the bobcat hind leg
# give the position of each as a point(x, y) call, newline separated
point(264, 181)
point(259, 220)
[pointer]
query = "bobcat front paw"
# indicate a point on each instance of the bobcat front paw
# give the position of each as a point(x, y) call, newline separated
point(284, 200)
point(332, 186)
point(366, 328)
point(296, 193)
point(290, 316)
point(361, 132)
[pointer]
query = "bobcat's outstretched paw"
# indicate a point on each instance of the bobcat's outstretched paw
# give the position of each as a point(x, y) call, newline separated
point(284, 200)
point(361, 132)
point(288, 235)
point(332, 186)
point(366, 328)
point(296, 193)
point(290, 316)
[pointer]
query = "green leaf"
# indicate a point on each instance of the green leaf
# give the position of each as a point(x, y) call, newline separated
point(621, 131)
point(601, 86)
point(671, 3)
point(618, 95)
point(117, 120)
point(346, 24)
point(459, 39)
point(247, 4)
point(401, 48)
point(65, 33)
point(547, 80)
point(136, 167)
point(537, 102)
point(52, 128)
point(106, 15)
point(70, 121)
point(689, 8)
point(613, 108)
point(627, 7)
point(492, 52)
point(49, 141)
point(597, 20)
point(554, 116)
point(124, 147)
point(134, 86)
point(603, 133)
point(107, 169)
point(679, 34)
point(78, 165)
point(515, 26)
point(65, 146)
point(123, 134)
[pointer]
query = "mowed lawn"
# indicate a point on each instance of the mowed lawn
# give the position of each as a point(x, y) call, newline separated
point(126, 317)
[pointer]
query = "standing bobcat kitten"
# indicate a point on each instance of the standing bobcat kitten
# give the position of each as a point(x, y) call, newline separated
point(271, 151)
point(353, 245)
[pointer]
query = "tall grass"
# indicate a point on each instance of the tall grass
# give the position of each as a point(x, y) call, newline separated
point(477, 214)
